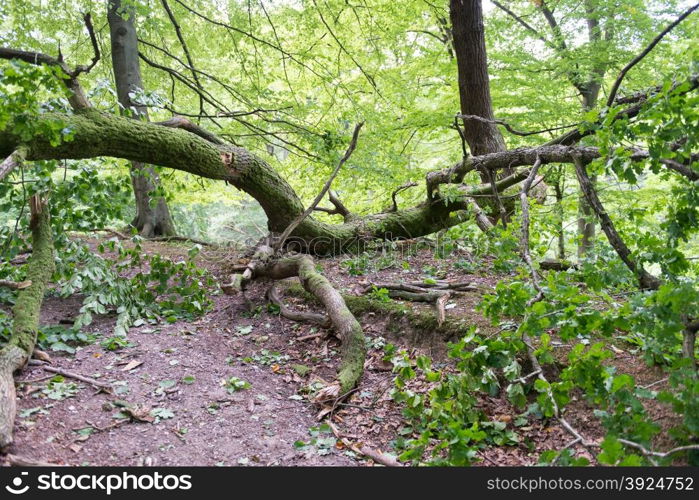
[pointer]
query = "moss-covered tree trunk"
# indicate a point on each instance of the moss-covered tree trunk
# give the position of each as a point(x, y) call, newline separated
point(15, 354)
point(346, 326)
point(95, 134)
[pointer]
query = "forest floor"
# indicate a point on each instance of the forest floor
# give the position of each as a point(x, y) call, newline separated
point(178, 369)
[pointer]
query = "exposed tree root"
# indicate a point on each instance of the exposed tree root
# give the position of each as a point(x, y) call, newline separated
point(343, 321)
point(275, 297)
point(15, 354)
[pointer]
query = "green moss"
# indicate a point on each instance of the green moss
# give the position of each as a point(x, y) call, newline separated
point(40, 268)
point(422, 323)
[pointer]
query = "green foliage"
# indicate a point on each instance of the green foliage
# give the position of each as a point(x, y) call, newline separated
point(234, 384)
point(446, 427)
point(161, 288)
point(57, 388)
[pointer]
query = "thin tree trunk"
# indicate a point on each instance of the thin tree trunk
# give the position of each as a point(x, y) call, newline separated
point(589, 91)
point(152, 216)
point(586, 222)
point(560, 219)
point(645, 280)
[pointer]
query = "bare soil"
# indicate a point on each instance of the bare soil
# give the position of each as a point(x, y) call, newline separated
point(183, 364)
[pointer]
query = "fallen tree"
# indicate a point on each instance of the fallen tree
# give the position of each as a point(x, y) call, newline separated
point(180, 144)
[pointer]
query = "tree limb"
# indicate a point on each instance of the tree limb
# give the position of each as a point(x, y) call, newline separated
point(645, 52)
point(294, 224)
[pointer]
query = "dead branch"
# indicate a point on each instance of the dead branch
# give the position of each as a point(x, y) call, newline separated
point(15, 285)
point(646, 280)
point(420, 286)
point(294, 224)
point(650, 453)
point(185, 239)
point(87, 19)
point(340, 208)
point(556, 265)
point(13, 161)
point(116, 233)
point(407, 185)
point(645, 52)
point(482, 220)
point(524, 240)
point(360, 449)
point(526, 256)
point(70, 374)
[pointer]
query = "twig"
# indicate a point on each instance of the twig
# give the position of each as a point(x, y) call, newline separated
point(523, 379)
point(12, 162)
point(407, 185)
point(513, 130)
point(70, 374)
point(653, 384)
point(87, 18)
point(651, 453)
point(15, 285)
point(375, 455)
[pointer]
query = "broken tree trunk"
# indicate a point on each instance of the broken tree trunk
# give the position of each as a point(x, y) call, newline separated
point(15, 354)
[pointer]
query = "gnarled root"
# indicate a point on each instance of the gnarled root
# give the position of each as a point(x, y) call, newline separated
point(346, 326)
point(19, 348)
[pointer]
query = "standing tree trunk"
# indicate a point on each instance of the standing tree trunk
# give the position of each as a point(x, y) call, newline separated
point(152, 219)
point(589, 92)
point(483, 137)
point(474, 85)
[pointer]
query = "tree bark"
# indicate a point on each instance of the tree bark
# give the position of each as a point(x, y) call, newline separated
point(15, 354)
point(646, 280)
point(353, 352)
point(98, 134)
point(483, 137)
point(152, 216)
point(474, 84)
